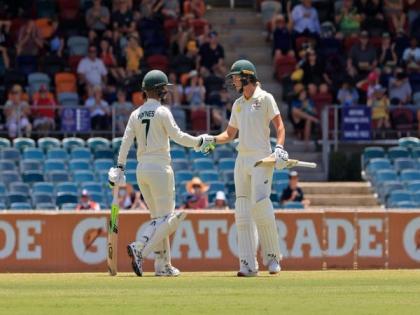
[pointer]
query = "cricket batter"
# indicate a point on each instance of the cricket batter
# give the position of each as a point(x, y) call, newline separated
point(153, 125)
point(251, 116)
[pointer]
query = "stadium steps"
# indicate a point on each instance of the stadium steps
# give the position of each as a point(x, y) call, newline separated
point(339, 194)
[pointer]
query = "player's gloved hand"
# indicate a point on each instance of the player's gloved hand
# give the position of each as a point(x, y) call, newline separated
point(116, 176)
point(281, 157)
point(206, 144)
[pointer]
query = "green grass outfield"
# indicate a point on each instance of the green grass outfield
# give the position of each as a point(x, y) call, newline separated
point(297, 292)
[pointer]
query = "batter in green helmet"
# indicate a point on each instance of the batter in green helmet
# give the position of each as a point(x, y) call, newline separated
point(251, 115)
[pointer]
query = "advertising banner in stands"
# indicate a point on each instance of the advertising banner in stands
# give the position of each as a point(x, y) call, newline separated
point(75, 119)
point(355, 123)
point(206, 240)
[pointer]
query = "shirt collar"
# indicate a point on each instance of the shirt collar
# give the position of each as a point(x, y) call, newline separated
point(152, 101)
point(257, 93)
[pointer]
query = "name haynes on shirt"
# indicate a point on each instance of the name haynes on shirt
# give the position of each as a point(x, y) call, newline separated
point(146, 114)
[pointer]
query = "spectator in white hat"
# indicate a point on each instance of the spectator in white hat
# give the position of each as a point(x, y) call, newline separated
point(220, 201)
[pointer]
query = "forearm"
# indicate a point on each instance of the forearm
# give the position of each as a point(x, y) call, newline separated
point(223, 138)
point(185, 139)
point(281, 135)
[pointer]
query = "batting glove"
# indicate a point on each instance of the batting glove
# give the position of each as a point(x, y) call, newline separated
point(116, 176)
point(281, 157)
point(206, 144)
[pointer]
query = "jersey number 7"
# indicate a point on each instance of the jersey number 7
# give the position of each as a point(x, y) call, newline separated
point(147, 122)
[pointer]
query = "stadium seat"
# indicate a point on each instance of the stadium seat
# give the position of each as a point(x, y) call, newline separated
point(293, 205)
point(81, 154)
point(67, 187)
point(72, 142)
point(36, 79)
point(279, 186)
point(58, 176)
point(409, 142)
point(65, 82)
point(43, 187)
point(19, 187)
point(33, 154)
point(42, 198)
point(385, 188)
point(228, 175)
point(21, 143)
point(397, 152)
point(103, 154)
point(284, 67)
point(406, 205)
point(178, 154)
point(45, 206)
point(81, 176)
point(397, 196)
point(54, 165)
point(57, 154)
point(269, 9)
point(196, 155)
point(377, 164)
point(47, 143)
point(103, 164)
point(208, 176)
point(274, 196)
point(385, 175)
point(202, 164)
point(68, 206)
point(410, 175)
point(20, 206)
point(12, 154)
point(230, 187)
point(102, 176)
point(92, 187)
point(5, 143)
point(159, 62)
point(370, 153)
point(413, 186)
point(404, 163)
point(220, 153)
point(98, 142)
point(216, 186)
point(226, 164)
point(132, 154)
point(66, 198)
point(68, 99)
point(116, 143)
point(78, 45)
point(17, 197)
point(79, 165)
point(33, 176)
point(131, 165)
point(183, 175)
point(280, 175)
point(131, 177)
point(6, 165)
point(180, 164)
point(8, 177)
point(97, 197)
point(3, 189)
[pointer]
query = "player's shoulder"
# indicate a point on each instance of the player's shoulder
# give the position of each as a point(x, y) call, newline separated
point(265, 96)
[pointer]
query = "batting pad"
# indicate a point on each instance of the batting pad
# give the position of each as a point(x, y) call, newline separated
point(162, 254)
point(247, 235)
point(263, 214)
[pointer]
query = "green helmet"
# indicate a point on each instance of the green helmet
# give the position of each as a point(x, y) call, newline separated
point(154, 79)
point(243, 67)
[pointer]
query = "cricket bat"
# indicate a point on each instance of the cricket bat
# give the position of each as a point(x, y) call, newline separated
point(113, 234)
point(270, 161)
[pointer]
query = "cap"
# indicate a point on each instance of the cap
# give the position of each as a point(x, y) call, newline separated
point(85, 192)
point(42, 88)
point(293, 174)
point(193, 73)
point(373, 76)
point(220, 195)
point(213, 34)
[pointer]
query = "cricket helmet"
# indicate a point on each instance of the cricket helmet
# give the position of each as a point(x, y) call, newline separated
point(154, 79)
point(243, 67)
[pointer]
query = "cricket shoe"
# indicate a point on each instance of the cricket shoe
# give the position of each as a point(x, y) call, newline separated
point(136, 259)
point(247, 273)
point(167, 271)
point(274, 267)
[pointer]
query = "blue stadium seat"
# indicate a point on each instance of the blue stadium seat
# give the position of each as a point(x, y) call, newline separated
point(209, 176)
point(6, 165)
point(181, 176)
point(103, 176)
point(177, 153)
point(45, 206)
point(67, 187)
point(57, 153)
point(413, 186)
point(17, 197)
point(386, 187)
point(131, 165)
point(279, 186)
point(54, 165)
point(33, 154)
point(293, 205)
point(81, 176)
point(30, 165)
point(66, 198)
point(116, 143)
point(226, 164)
point(276, 205)
point(385, 175)
point(58, 176)
point(372, 152)
point(228, 175)
point(406, 205)
point(79, 165)
point(280, 175)
point(68, 206)
point(180, 165)
point(131, 177)
point(20, 206)
point(221, 153)
point(397, 152)
point(397, 196)
point(8, 177)
point(410, 175)
point(132, 154)
point(33, 176)
point(42, 198)
point(377, 164)
point(3, 189)
point(19, 187)
point(97, 197)
point(43, 187)
point(104, 154)
point(230, 187)
point(196, 155)
point(409, 142)
point(202, 164)
point(274, 196)
point(78, 45)
point(68, 99)
point(404, 163)
point(98, 142)
point(72, 142)
point(47, 143)
point(81, 153)
point(103, 164)
point(92, 187)
point(21, 143)
point(215, 186)
point(5, 143)
point(11, 154)
point(415, 153)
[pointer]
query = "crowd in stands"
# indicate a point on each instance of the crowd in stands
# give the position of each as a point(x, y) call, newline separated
point(96, 52)
point(347, 52)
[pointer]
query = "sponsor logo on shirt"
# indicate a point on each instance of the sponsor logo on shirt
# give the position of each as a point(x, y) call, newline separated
point(256, 106)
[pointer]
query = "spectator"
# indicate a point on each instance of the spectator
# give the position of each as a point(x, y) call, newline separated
point(362, 57)
point(195, 92)
point(198, 189)
point(194, 9)
point(212, 55)
point(16, 112)
point(304, 114)
point(4, 60)
point(411, 55)
point(108, 58)
point(55, 43)
point(387, 56)
point(123, 110)
point(394, 12)
point(368, 85)
point(30, 41)
point(134, 54)
point(399, 88)
point(171, 9)
point(348, 19)
point(220, 201)
point(4, 32)
point(137, 201)
point(371, 12)
point(97, 17)
point(99, 110)
point(91, 70)
point(43, 111)
point(282, 39)
point(305, 20)
point(347, 94)
point(314, 76)
point(293, 192)
point(124, 196)
point(86, 203)
point(190, 202)
point(380, 108)
point(123, 20)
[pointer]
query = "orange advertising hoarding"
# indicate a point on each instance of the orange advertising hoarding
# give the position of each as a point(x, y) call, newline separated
point(206, 240)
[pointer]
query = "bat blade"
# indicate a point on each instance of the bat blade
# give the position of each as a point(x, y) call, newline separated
point(270, 161)
point(113, 235)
